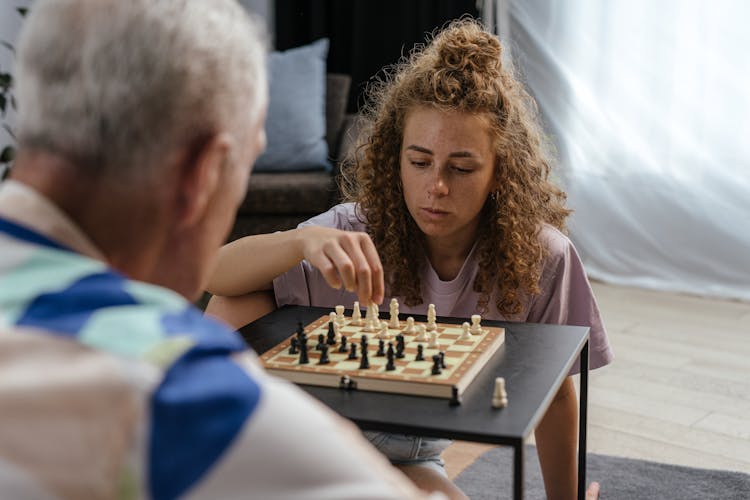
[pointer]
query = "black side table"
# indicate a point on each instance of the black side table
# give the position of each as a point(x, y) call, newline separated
point(535, 360)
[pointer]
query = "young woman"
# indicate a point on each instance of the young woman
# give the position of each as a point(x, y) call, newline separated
point(450, 203)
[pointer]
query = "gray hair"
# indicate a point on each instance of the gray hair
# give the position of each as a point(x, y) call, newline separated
point(116, 85)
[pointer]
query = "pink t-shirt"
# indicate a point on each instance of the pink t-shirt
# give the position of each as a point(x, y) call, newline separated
point(566, 297)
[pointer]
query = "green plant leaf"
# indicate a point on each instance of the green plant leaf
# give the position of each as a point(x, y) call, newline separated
point(9, 152)
point(6, 80)
point(9, 130)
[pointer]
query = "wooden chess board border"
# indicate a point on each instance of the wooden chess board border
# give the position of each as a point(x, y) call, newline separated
point(417, 385)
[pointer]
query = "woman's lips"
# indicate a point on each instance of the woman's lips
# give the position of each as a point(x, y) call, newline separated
point(434, 213)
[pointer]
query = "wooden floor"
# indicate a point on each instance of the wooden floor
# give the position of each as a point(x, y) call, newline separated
point(679, 389)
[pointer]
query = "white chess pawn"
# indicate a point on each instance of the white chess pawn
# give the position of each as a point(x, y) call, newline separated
point(372, 323)
point(433, 343)
point(340, 318)
point(394, 314)
point(431, 318)
point(499, 396)
point(356, 314)
point(421, 333)
point(476, 327)
point(465, 335)
point(410, 328)
point(337, 332)
point(384, 334)
point(332, 318)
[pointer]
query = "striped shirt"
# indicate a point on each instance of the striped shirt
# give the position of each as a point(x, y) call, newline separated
point(113, 388)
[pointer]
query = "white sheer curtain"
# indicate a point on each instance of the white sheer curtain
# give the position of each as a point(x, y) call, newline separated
point(649, 104)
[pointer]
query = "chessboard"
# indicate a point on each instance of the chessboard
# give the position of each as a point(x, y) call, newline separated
point(461, 360)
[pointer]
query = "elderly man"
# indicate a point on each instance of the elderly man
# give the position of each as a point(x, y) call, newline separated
point(138, 123)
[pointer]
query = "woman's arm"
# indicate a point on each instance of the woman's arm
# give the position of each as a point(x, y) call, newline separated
point(345, 258)
point(556, 442)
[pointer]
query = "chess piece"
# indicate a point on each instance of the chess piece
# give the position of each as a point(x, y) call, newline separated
point(384, 334)
point(343, 347)
point(476, 327)
point(356, 315)
point(499, 396)
point(394, 314)
point(331, 336)
point(381, 348)
point(410, 328)
point(363, 341)
point(300, 329)
point(436, 368)
point(421, 334)
point(340, 318)
point(420, 353)
point(372, 321)
point(400, 346)
point(364, 363)
point(465, 334)
point(433, 343)
point(321, 342)
point(353, 351)
point(303, 357)
point(293, 346)
point(431, 318)
point(390, 365)
point(442, 360)
point(324, 356)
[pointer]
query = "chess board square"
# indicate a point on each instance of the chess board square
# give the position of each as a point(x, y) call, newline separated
point(413, 371)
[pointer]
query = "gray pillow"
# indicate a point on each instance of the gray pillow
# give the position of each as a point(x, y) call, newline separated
point(296, 123)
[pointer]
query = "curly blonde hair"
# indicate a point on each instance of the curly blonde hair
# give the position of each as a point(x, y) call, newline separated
point(460, 69)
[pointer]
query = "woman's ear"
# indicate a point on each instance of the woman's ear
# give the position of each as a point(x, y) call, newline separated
point(200, 177)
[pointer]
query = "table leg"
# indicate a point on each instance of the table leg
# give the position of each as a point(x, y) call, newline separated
point(583, 407)
point(518, 451)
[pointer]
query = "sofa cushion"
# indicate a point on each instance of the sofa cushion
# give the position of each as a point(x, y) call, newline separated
point(290, 193)
point(296, 123)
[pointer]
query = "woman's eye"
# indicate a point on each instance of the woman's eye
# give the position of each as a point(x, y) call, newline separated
point(462, 170)
point(419, 163)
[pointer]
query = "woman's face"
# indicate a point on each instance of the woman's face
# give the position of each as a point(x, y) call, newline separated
point(447, 172)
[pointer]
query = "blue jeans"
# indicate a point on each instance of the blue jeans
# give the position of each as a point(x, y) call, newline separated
point(402, 449)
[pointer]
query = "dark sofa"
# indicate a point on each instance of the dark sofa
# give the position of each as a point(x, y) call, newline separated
point(280, 200)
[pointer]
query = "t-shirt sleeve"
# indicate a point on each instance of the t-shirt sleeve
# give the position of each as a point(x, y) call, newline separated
point(566, 298)
point(303, 284)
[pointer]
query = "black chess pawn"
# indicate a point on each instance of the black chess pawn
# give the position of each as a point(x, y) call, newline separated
point(293, 346)
point(363, 341)
point(364, 363)
point(400, 348)
point(420, 353)
point(381, 348)
point(436, 365)
point(353, 351)
point(321, 342)
point(324, 355)
point(300, 329)
point(442, 359)
point(331, 337)
point(390, 365)
point(303, 359)
point(343, 347)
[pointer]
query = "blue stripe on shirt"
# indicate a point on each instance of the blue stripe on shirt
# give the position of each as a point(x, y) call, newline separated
point(198, 410)
point(67, 311)
point(23, 233)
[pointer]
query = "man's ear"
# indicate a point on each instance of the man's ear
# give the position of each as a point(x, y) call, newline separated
point(200, 177)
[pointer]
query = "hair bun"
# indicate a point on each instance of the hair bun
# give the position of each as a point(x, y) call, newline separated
point(466, 45)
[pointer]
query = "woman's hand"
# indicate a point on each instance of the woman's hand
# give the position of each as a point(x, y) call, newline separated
point(345, 258)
